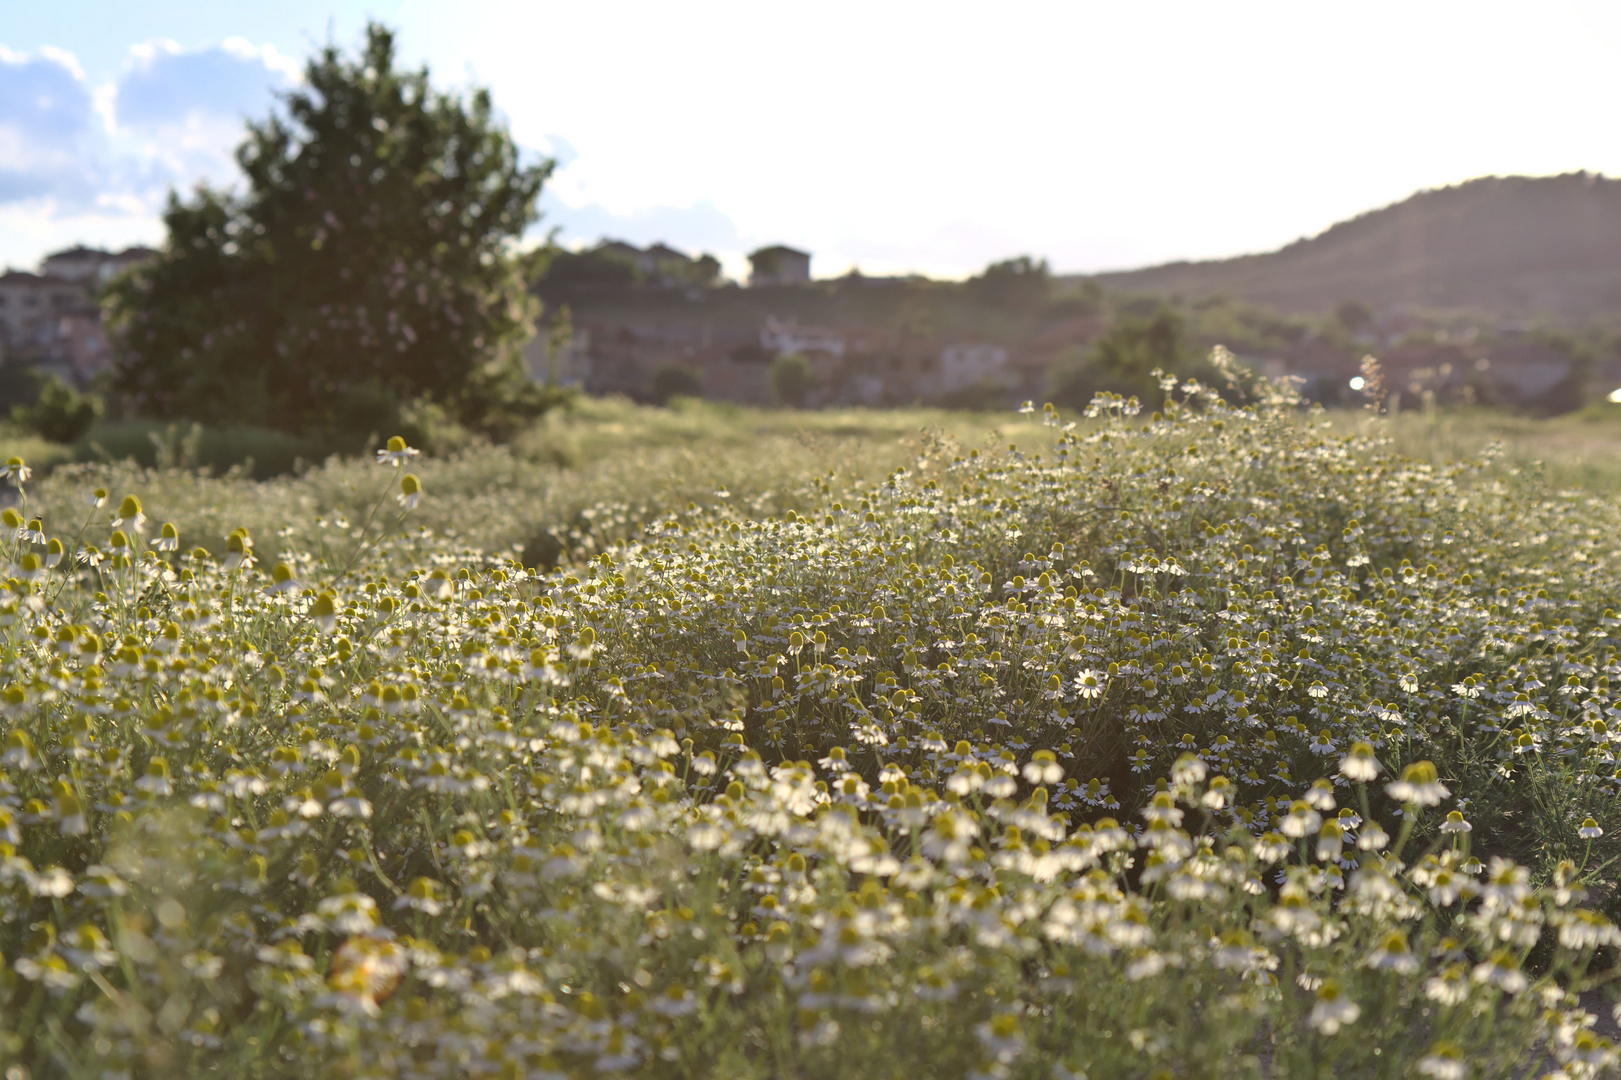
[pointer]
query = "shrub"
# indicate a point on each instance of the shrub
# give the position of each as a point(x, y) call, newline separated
point(253, 452)
point(791, 380)
point(673, 381)
point(1123, 360)
point(61, 413)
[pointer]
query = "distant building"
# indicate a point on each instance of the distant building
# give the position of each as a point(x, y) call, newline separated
point(92, 266)
point(51, 320)
point(629, 252)
point(664, 253)
point(27, 299)
point(779, 265)
point(1526, 372)
point(660, 264)
point(968, 364)
point(787, 338)
point(559, 363)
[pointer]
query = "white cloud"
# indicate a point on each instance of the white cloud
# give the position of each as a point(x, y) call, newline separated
point(699, 227)
point(65, 59)
point(94, 163)
point(268, 55)
point(167, 84)
point(46, 127)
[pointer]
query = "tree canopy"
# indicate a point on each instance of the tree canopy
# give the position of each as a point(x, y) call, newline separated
point(1017, 281)
point(1124, 359)
point(370, 263)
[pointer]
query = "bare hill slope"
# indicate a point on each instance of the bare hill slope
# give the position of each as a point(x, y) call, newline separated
point(1512, 245)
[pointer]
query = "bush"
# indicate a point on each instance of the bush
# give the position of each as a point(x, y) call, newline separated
point(1124, 359)
point(986, 395)
point(431, 427)
point(791, 380)
point(255, 452)
point(673, 381)
point(60, 414)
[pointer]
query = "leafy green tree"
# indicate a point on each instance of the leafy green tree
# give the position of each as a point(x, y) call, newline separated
point(1122, 361)
point(673, 381)
point(369, 263)
point(791, 380)
point(705, 269)
point(1021, 282)
point(1353, 315)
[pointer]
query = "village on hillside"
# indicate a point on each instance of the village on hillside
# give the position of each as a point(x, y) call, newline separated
point(897, 341)
point(869, 341)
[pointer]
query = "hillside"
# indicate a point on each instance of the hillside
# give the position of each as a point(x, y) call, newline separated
point(1511, 245)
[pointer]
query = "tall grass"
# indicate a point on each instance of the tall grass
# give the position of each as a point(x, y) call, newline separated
point(578, 481)
point(1580, 450)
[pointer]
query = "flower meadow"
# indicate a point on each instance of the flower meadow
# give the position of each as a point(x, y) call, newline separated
point(1195, 743)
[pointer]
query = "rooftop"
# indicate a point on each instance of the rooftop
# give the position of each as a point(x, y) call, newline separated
point(777, 250)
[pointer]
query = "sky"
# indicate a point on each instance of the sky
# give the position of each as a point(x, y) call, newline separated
point(894, 137)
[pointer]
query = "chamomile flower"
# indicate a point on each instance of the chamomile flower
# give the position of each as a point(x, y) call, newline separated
point(1445, 1061)
point(410, 492)
point(423, 894)
point(1418, 785)
point(1501, 970)
point(1333, 1010)
point(1320, 796)
point(238, 550)
point(1372, 837)
point(156, 780)
point(1089, 683)
point(1393, 954)
point(130, 515)
point(396, 452)
point(282, 579)
point(1043, 768)
point(1330, 841)
point(348, 911)
point(1001, 1037)
point(1300, 821)
point(1272, 847)
point(1359, 765)
point(324, 612)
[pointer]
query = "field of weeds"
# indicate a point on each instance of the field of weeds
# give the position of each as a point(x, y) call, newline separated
point(581, 478)
point(1217, 742)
